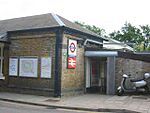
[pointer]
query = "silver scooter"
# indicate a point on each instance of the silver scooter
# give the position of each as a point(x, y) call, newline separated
point(139, 85)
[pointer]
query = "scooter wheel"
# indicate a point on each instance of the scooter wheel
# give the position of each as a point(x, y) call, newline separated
point(119, 92)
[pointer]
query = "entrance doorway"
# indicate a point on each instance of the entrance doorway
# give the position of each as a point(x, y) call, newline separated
point(96, 75)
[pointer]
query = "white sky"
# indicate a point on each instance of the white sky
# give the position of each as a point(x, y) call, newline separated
point(107, 14)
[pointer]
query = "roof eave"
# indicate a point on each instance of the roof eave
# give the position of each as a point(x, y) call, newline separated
point(63, 28)
point(83, 33)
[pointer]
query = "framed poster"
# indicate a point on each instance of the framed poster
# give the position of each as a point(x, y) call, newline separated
point(72, 48)
point(13, 66)
point(28, 67)
point(46, 67)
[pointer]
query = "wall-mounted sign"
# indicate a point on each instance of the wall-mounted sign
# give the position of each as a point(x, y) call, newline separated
point(71, 62)
point(72, 48)
point(46, 67)
point(13, 66)
point(28, 67)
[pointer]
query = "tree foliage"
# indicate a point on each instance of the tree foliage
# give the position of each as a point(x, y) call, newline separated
point(138, 38)
point(92, 28)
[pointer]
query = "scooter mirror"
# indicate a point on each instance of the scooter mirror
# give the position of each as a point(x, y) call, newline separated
point(147, 75)
point(126, 76)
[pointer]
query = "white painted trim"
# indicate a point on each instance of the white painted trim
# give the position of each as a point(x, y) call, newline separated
point(61, 23)
point(101, 53)
point(2, 77)
point(93, 41)
point(1, 58)
point(88, 78)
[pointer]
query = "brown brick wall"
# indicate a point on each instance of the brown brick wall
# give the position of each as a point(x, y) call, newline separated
point(128, 66)
point(72, 80)
point(38, 44)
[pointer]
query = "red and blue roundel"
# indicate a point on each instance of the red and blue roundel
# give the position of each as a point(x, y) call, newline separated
point(72, 47)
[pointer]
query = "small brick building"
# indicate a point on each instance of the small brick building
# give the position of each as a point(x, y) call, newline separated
point(49, 55)
point(34, 54)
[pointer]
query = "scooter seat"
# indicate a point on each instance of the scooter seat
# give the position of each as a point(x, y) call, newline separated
point(136, 79)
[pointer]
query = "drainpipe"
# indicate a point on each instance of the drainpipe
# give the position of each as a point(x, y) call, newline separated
point(57, 76)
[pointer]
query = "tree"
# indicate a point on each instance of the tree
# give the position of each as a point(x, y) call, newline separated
point(92, 28)
point(128, 34)
point(133, 36)
point(146, 34)
point(136, 37)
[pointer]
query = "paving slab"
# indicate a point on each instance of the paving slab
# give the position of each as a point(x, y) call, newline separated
point(93, 102)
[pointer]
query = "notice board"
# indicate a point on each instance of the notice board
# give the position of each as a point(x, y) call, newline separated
point(46, 67)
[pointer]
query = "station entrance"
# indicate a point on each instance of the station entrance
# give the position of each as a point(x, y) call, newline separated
point(100, 71)
point(96, 69)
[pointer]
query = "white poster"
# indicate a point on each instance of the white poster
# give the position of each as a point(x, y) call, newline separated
point(13, 66)
point(28, 67)
point(72, 48)
point(46, 67)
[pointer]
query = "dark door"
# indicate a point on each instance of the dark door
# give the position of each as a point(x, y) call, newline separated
point(95, 73)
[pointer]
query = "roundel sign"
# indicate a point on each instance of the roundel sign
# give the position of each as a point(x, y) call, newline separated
point(72, 47)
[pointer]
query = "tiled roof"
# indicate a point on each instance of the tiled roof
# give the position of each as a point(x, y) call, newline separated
point(77, 27)
point(40, 21)
point(30, 22)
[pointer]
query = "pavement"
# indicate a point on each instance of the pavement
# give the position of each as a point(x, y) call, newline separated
point(88, 102)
